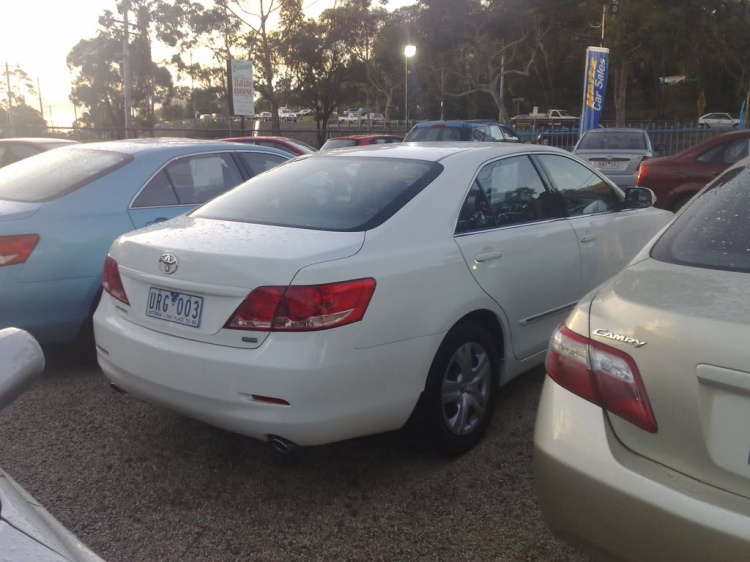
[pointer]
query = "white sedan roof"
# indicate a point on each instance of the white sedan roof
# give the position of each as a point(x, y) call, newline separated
point(435, 151)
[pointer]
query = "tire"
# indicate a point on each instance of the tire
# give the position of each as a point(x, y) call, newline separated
point(449, 417)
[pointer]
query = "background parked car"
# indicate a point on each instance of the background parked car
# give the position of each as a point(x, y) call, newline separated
point(292, 146)
point(641, 440)
point(286, 114)
point(13, 150)
point(360, 140)
point(306, 112)
point(343, 329)
point(374, 118)
point(617, 153)
point(60, 211)
point(265, 115)
point(27, 530)
point(561, 137)
point(717, 121)
point(348, 117)
point(479, 130)
point(677, 178)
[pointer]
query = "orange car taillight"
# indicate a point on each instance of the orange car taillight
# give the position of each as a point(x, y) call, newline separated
point(112, 282)
point(302, 308)
point(17, 248)
point(600, 374)
point(642, 170)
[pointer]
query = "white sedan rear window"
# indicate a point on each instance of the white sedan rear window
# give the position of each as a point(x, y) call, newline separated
point(325, 193)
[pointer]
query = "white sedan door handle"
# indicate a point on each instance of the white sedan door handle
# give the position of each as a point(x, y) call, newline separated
point(588, 238)
point(488, 256)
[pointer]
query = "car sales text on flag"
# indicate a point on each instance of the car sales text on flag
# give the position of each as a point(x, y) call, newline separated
point(594, 87)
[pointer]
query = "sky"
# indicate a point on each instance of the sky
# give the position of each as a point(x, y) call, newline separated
point(37, 35)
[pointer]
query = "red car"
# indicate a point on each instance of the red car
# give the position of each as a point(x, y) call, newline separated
point(292, 146)
point(360, 140)
point(13, 150)
point(676, 179)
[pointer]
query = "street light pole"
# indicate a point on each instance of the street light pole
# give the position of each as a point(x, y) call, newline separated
point(409, 51)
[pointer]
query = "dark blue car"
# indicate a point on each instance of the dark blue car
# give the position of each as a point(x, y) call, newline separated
point(479, 130)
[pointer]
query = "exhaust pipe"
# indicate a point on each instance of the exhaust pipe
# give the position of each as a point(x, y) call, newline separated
point(116, 388)
point(281, 445)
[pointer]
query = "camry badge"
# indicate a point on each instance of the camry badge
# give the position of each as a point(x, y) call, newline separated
point(618, 337)
point(168, 263)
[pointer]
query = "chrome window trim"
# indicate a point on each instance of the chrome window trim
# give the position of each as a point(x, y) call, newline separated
point(168, 162)
point(506, 227)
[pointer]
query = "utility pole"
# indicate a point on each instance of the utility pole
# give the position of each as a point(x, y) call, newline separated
point(10, 97)
point(49, 108)
point(502, 80)
point(39, 90)
point(75, 109)
point(126, 67)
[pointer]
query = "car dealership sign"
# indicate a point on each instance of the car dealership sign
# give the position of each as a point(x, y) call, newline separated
point(594, 87)
point(241, 88)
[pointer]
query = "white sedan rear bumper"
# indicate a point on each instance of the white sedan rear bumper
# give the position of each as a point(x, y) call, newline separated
point(335, 391)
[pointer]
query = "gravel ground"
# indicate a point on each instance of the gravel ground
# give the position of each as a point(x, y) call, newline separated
point(138, 483)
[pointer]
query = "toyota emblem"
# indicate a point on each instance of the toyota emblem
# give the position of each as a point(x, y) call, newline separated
point(168, 263)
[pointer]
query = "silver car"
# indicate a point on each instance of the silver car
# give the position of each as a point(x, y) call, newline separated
point(28, 533)
point(617, 153)
point(642, 438)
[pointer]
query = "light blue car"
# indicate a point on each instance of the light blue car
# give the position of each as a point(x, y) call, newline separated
point(60, 211)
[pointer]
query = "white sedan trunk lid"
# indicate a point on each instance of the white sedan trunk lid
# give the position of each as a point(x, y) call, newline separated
point(220, 262)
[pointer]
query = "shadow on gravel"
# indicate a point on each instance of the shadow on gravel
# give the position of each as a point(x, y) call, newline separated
point(140, 483)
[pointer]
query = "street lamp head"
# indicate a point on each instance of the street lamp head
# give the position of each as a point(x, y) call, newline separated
point(410, 51)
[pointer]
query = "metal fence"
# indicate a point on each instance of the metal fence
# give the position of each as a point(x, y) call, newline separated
point(305, 132)
point(669, 137)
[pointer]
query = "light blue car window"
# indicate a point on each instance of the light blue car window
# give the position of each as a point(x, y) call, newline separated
point(55, 173)
point(196, 179)
point(258, 162)
point(158, 193)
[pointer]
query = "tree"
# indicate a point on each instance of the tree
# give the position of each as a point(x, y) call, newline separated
point(491, 41)
point(264, 43)
point(318, 54)
point(21, 85)
point(729, 43)
point(98, 84)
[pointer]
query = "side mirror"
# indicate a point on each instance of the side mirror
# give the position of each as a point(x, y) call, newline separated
point(660, 148)
point(639, 198)
point(21, 360)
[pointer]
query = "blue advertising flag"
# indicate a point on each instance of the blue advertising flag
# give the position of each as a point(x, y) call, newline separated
point(594, 87)
point(742, 116)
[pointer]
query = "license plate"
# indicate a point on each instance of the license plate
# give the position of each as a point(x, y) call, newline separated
point(608, 165)
point(172, 306)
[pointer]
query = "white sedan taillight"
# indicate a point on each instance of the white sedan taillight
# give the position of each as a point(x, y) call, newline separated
point(303, 308)
point(600, 374)
point(112, 282)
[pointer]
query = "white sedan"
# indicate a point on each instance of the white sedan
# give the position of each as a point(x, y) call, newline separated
point(717, 121)
point(343, 293)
